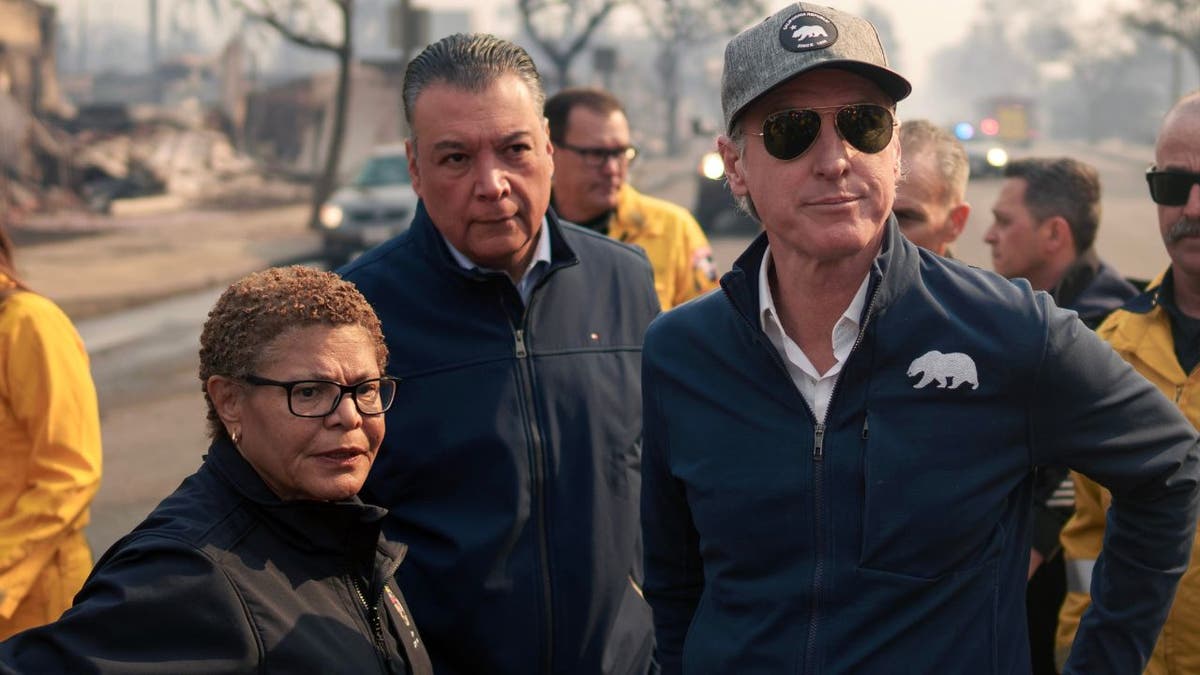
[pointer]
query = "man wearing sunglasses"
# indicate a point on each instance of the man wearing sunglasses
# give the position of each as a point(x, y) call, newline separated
point(591, 187)
point(1158, 333)
point(839, 449)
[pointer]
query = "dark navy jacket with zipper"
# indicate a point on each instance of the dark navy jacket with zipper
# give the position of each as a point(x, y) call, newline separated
point(893, 536)
point(512, 456)
point(223, 577)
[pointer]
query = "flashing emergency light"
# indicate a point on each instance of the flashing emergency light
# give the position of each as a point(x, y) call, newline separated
point(963, 131)
point(989, 126)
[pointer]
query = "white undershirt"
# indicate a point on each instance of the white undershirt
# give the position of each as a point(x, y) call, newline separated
point(533, 273)
point(815, 388)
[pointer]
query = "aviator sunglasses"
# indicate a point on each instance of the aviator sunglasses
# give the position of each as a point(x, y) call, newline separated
point(787, 134)
point(1171, 188)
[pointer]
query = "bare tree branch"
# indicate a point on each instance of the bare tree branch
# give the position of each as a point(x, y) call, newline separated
point(590, 27)
point(1176, 20)
point(271, 18)
point(562, 48)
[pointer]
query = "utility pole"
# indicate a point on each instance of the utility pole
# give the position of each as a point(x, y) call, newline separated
point(406, 32)
point(81, 47)
point(1176, 73)
point(152, 52)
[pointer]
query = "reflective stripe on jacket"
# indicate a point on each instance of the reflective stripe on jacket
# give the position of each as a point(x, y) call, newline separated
point(672, 240)
point(49, 460)
point(1141, 334)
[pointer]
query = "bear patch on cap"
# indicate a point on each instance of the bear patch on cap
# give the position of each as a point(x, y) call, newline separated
point(805, 31)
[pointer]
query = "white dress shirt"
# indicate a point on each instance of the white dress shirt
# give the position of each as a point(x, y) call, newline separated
point(815, 388)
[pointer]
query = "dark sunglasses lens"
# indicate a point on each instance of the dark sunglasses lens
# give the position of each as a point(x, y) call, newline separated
point(866, 127)
point(787, 134)
point(1171, 189)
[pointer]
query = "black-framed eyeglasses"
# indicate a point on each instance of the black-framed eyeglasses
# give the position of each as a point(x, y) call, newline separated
point(597, 157)
point(1171, 188)
point(319, 398)
point(787, 134)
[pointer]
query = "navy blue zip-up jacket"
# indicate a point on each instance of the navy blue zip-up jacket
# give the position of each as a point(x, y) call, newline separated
point(893, 536)
point(511, 464)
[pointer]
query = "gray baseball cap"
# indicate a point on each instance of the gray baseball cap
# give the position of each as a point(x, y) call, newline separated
point(796, 39)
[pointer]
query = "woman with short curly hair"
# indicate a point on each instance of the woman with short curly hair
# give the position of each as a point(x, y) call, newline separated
point(264, 560)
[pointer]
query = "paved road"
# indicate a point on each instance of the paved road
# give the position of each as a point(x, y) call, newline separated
point(144, 361)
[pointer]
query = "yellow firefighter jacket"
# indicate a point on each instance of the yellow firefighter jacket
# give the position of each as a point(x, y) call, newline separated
point(49, 459)
point(672, 239)
point(1144, 340)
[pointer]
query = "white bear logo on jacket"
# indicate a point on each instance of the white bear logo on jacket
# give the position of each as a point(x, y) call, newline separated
point(948, 370)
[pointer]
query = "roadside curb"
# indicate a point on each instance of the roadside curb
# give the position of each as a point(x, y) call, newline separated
point(143, 262)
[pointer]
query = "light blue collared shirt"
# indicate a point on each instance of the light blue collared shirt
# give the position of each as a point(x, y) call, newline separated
point(537, 269)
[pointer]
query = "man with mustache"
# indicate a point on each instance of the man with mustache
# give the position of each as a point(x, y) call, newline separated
point(1158, 333)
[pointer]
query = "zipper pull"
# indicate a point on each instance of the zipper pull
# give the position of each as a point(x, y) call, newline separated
point(520, 336)
point(819, 442)
point(864, 431)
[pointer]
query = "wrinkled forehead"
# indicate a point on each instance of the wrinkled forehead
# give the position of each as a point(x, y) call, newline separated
point(1178, 144)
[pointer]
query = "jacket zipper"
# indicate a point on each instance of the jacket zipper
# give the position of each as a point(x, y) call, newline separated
point(819, 491)
point(374, 620)
point(537, 471)
point(818, 462)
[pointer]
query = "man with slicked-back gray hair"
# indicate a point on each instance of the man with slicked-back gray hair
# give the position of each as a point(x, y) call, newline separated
point(511, 463)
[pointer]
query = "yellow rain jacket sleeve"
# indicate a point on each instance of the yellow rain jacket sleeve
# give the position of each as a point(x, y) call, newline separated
point(673, 241)
point(1142, 338)
point(49, 460)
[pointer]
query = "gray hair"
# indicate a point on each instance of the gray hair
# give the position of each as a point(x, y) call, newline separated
point(472, 62)
point(737, 136)
point(950, 157)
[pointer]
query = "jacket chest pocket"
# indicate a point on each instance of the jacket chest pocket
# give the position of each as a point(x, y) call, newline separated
point(935, 498)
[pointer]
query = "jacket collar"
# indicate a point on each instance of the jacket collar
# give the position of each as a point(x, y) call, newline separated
point(1146, 331)
point(433, 247)
point(1151, 298)
point(1079, 276)
point(329, 527)
point(891, 272)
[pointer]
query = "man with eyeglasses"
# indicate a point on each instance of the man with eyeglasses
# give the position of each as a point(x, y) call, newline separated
point(591, 172)
point(510, 467)
point(1158, 333)
point(839, 449)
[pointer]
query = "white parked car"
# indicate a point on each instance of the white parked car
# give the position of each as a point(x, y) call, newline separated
point(374, 207)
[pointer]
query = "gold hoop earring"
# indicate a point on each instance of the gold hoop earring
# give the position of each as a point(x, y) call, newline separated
point(233, 436)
